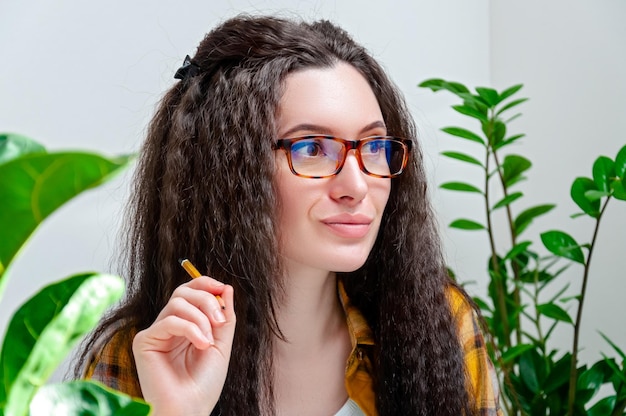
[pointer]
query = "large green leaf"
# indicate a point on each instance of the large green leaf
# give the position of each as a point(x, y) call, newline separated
point(33, 185)
point(563, 245)
point(14, 145)
point(579, 188)
point(44, 330)
point(603, 173)
point(85, 398)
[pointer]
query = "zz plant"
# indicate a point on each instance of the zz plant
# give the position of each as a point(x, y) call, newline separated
point(33, 184)
point(526, 289)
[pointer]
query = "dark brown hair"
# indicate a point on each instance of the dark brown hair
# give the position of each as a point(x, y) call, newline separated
point(205, 188)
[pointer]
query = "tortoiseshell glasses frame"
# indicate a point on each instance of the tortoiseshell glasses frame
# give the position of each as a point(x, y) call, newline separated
point(322, 156)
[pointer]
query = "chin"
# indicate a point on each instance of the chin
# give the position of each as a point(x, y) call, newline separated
point(347, 267)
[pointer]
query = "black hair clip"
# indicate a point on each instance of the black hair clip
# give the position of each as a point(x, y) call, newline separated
point(188, 70)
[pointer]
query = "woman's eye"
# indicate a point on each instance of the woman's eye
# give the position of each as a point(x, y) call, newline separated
point(307, 149)
point(373, 147)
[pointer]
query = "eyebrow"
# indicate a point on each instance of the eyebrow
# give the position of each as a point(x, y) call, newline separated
point(325, 130)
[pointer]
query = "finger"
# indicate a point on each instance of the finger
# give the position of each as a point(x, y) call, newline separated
point(223, 334)
point(185, 306)
point(204, 301)
point(206, 283)
point(160, 336)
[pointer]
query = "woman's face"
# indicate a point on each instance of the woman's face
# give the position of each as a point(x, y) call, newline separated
point(329, 224)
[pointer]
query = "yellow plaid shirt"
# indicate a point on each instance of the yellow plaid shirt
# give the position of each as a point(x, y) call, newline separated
point(112, 364)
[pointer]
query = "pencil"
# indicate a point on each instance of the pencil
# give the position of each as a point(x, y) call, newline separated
point(193, 272)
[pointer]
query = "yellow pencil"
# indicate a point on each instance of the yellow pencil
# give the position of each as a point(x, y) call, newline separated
point(193, 272)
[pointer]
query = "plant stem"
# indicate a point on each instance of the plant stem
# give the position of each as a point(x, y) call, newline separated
point(513, 234)
point(573, 376)
point(500, 289)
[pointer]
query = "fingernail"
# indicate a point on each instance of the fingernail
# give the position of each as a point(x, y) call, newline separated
point(219, 316)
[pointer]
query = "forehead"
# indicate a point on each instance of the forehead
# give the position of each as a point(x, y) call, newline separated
point(335, 99)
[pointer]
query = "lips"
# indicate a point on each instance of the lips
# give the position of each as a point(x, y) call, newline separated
point(349, 225)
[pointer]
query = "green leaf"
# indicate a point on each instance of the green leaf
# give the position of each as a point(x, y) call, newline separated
point(13, 146)
point(510, 91)
point(436, 84)
point(614, 346)
point(620, 163)
point(463, 157)
point(559, 374)
point(515, 351)
point(508, 141)
point(619, 190)
point(464, 134)
point(33, 185)
point(85, 398)
point(603, 407)
point(460, 186)
point(495, 131)
point(510, 105)
point(603, 173)
point(465, 224)
point(476, 102)
point(518, 249)
point(526, 217)
point(532, 370)
point(507, 200)
point(44, 330)
point(563, 245)
point(596, 195)
point(536, 276)
point(579, 187)
point(471, 112)
point(513, 167)
point(554, 311)
point(489, 95)
point(592, 379)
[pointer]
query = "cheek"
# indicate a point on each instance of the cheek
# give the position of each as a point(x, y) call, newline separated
point(381, 193)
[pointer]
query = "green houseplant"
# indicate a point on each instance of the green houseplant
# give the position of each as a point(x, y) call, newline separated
point(525, 293)
point(33, 184)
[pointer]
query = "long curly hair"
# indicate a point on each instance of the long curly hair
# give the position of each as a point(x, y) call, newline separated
point(205, 188)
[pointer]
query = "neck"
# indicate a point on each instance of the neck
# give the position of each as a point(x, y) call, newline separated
point(311, 313)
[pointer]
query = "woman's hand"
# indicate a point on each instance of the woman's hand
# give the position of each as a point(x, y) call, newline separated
point(182, 358)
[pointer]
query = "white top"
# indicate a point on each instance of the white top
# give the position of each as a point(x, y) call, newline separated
point(350, 409)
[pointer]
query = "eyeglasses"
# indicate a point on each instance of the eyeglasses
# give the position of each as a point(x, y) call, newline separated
point(321, 156)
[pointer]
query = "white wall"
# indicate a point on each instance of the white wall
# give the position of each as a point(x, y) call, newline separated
point(87, 75)
point(571, 57)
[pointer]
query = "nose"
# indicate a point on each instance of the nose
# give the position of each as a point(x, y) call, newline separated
point(350, 185)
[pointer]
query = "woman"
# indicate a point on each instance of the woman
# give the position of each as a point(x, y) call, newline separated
point(285, 165)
